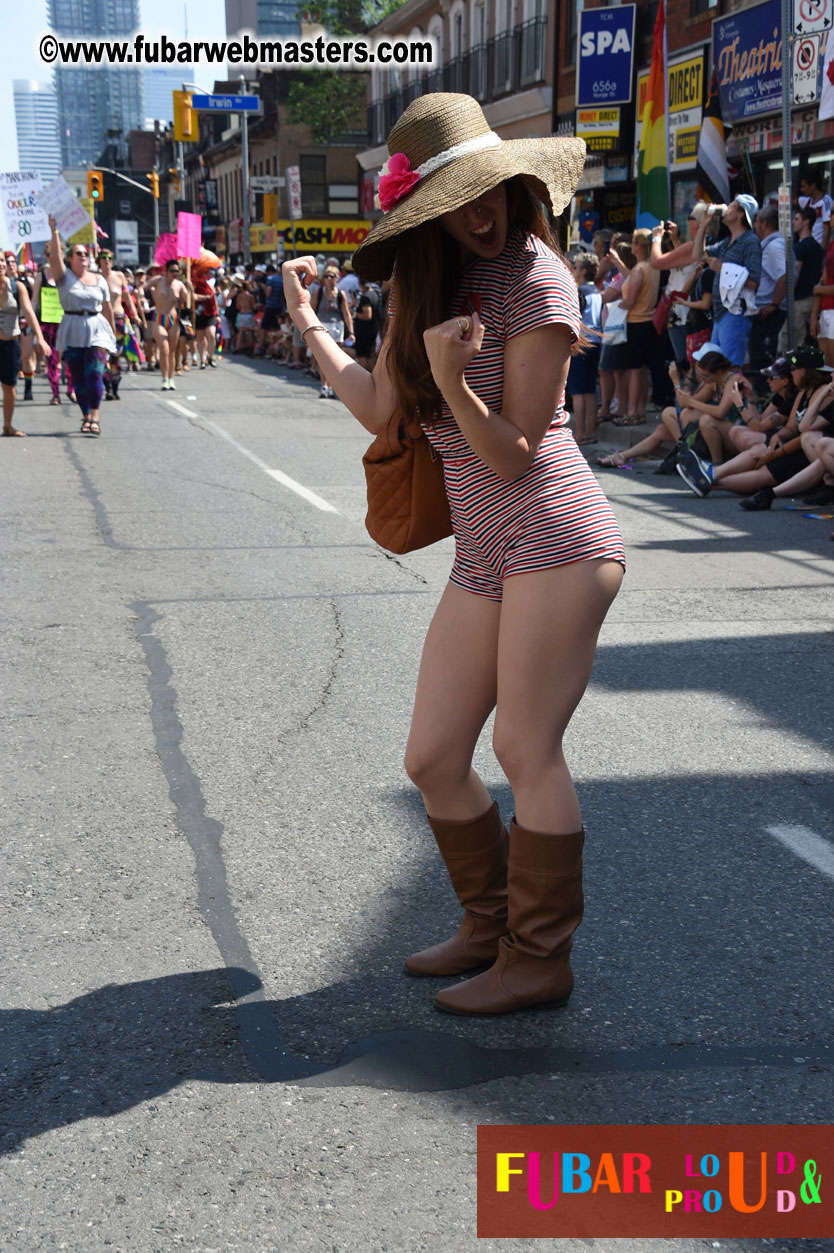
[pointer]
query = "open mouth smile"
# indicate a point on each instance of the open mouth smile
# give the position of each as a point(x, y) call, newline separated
point(486, 236)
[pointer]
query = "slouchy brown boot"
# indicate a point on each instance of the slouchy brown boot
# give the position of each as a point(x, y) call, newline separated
point(475, 854)
point(545, 908)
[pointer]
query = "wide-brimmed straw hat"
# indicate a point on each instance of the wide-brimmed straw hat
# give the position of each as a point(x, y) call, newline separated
point(442, 154)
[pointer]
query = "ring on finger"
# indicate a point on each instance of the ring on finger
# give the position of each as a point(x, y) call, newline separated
point(464, 325)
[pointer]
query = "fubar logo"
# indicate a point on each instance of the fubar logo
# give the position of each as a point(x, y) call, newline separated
point(654, 1181)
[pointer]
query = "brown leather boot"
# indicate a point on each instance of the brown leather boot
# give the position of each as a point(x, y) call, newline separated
point(545, 908)
point(475, 854)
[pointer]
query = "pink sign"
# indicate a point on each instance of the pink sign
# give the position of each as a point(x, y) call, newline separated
point(166, 249)
point(189, 235)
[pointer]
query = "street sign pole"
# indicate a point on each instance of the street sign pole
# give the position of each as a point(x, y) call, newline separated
point(247, 243)
point(243, 105)
point(787, 66)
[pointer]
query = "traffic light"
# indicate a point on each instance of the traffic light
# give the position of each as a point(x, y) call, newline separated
point(95, 185)
point(153, 178)
point(270, 209)
point(185, 123)
point(174, 176)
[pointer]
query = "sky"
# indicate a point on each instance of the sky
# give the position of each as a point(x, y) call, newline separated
point(206, 20)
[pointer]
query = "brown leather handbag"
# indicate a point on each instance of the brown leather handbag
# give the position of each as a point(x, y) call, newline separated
point(407, 503)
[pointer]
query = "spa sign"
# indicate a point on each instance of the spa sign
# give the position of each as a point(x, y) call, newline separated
point(606, 56)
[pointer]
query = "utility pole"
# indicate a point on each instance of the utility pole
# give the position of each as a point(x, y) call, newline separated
point(785, 194)
point(244, 141)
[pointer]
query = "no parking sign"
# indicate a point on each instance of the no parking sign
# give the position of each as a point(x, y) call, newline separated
point(812, 17)
point(806, 68)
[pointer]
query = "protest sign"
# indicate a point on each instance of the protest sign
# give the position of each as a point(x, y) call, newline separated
point(25, 219)
point(51, 310)
point(59, 200)
point(166, 249)
point(189, 235)
point(87, 234)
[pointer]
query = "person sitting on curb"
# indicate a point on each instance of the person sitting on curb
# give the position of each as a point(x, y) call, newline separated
point(672, 422)
point(760, 423)
point(715, 418)
point(764, 467)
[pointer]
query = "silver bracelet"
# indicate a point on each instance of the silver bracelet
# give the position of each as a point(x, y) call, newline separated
point(315, 326)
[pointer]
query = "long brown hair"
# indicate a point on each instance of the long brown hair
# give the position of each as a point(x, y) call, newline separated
point(425, 280)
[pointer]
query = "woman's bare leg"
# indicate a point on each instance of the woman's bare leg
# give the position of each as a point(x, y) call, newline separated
point(635, 387)
point(606, 393)
point(827, 347)
point(9, 398)
point(590, 415)
point(550, 621)
point(621, 390)
point(712, 438)
point(456, 691)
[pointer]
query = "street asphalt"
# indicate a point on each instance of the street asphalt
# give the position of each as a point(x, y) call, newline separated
point(214, 862)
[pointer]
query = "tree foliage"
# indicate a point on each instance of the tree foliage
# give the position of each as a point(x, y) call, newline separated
point(332, 102)
point(347, 17)
point(329, 103)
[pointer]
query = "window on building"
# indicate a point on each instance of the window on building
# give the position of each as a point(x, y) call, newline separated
point(503, 44)
point(313, 169)
point(570, 35)
point(478, 55)
point(697, 7)
point(277, 18)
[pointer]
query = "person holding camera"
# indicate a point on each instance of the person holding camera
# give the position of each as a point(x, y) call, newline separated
point(731, 326)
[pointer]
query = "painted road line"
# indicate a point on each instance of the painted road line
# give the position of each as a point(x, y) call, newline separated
point(278, 475)
point(188, 413)
point(818, 852)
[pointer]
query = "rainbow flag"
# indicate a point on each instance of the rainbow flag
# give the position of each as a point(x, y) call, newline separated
point(653, 202)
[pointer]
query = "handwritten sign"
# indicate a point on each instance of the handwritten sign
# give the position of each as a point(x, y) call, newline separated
point(51, 310)
point(87, 234)
point(25, 219)
point(59, 201)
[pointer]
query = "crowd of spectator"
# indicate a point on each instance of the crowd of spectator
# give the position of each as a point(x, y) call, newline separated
point(701, 323)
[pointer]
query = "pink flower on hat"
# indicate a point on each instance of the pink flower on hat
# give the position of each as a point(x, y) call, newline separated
point(396, 180)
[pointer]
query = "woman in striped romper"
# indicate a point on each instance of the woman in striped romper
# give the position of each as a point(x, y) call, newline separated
point(485, 319)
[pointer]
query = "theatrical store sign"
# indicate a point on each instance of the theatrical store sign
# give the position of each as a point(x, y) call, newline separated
point(747, 55)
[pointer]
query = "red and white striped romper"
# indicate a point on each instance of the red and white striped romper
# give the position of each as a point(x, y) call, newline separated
point(555, 513)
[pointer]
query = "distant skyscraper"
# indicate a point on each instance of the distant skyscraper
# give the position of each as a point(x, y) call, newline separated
point(36, 118)
point(95, 104)
point(265, 17)
point(160, 85)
